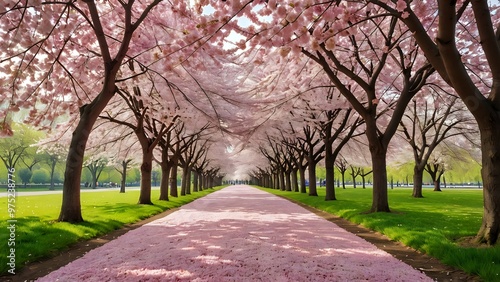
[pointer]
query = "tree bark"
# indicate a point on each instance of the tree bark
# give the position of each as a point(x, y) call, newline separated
point(437, 185)
point(173, 177)
point(295, 184)
point(330, 174)
point(343, 179)
point(71, 207)
point(418, 175)
point(288, 180)
point(380, 201)
point(146, 169)
point(282, 180)
point(164, 182)
point(188, 181)
point(195, 180)
point(52, 170)
point(200, 180)
point(183, 181)
point(124, 176)
point(490, 172)
point(312, 179)
point(302, 174)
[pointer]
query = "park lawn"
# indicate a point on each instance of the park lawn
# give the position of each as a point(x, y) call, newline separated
point(39, 235)
point(433, 224)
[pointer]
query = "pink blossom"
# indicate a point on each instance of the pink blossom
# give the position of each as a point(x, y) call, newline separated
point(281, 11)
point(401, 5)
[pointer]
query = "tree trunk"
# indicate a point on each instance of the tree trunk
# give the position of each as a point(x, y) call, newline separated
point(94, 179)
point(295, 183)
point(282, 180)
point(330, 174)
point(380, 202)
point(188, 180)
point(184, 181)
point(52, 170)
point(437, 185)
point(146, 169)
point(210, 181)
point(288, 181)
point(490, 172)
point(124, 176)
point(164, 182)
point(200, 180)
point(418, 175)
point(173, 177)
point(312, 179)
point(302, 174)
point(195, 180)
point(71, 207)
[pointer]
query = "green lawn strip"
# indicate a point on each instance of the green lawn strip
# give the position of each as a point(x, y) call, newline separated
point(38, 235)
point(432, 224)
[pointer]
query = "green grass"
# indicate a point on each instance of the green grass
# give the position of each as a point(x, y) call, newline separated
point(38, 235)
point(433, 224)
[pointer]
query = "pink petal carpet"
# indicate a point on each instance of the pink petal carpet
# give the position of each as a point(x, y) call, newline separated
point(239, 233)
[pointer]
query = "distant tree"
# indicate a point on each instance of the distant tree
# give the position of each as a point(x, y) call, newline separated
point(124, 165)
point(95, 167)
point(40, 176)
point(355, 172)
point(51, 154)
point(341, 164)
point(426, 124)
point(363, 175)
point(14, 147)
point(31, 158)
point(25, 175)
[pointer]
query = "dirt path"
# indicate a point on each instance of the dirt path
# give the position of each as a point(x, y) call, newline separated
point(238, 234)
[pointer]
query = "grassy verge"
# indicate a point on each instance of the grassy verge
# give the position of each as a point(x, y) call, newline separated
point(38, 235)
point(433, 224)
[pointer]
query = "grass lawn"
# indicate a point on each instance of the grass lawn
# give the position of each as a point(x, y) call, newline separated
point(38, 235)
point(433, 224)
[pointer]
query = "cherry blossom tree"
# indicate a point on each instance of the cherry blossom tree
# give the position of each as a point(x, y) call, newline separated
point(52, 155)
point(95, 166)
point(341, 164)
point(14, 148)
point(66, 58)
point(463, 48)
point(147, 126)
point(374, 64)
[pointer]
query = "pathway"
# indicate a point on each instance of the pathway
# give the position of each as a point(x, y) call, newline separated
point(238, 234)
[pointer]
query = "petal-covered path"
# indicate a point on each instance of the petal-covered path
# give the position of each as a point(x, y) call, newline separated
point(239, 233)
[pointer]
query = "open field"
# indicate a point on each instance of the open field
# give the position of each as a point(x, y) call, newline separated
point(38, 235)
point(434, 224)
